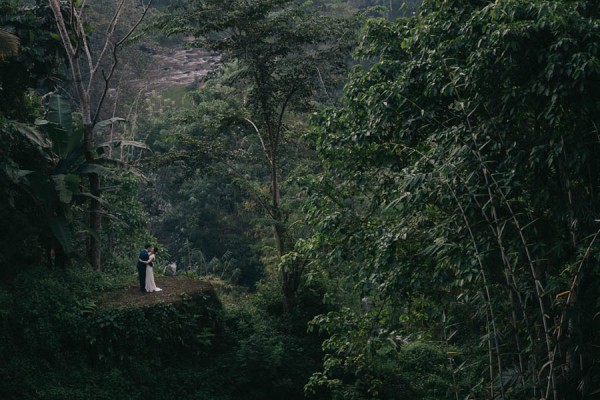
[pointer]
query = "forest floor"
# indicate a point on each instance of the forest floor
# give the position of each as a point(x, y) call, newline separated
point(174, 289)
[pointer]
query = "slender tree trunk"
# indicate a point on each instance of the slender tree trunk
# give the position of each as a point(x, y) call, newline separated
point(278, 228)
point(490, 355)
point(490, 315)
point(95, 218)
point(84, 69)
point(289, 278)
point(94, 248)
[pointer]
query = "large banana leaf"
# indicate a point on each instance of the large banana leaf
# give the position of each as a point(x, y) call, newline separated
point(63, 234)
point(41, 189)
point(107, 122)
point(32, 134)
point(119, 165)
point(13, 172)
point(66, 186)
point(70, 161)
point(59, 126)
point(124, 143)
point(59, 112)
point(94, 169)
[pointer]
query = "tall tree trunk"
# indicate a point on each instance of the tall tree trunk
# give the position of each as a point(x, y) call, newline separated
point(288, 279)
point(84, 67)
point(94, 252)
point(95, 221)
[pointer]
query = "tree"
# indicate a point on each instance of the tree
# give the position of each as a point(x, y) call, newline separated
point(35, 69)
point(44, 176)
point(288, 56)
point(88, 66)
point(460, 173)
point(24, 77)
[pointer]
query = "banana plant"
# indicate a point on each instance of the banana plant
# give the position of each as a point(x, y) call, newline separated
point(58, 140)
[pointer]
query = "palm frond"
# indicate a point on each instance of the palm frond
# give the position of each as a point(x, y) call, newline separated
point(9, 44)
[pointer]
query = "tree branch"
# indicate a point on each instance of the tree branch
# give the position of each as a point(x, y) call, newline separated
point(262, 142)
point(108, 77)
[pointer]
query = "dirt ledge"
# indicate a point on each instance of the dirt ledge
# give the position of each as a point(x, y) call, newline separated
point(174, 289)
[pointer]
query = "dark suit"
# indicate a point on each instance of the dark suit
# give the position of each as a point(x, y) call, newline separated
point(141, 267)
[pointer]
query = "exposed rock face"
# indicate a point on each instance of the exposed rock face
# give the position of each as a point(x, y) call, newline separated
point(175, 66)
point(181, 67)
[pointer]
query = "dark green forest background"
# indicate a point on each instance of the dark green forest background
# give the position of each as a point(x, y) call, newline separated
point(385, 200)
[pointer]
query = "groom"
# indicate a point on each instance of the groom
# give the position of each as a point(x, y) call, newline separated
point(141, 267)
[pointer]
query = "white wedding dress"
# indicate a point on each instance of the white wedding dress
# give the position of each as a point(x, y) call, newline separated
point(150, 285)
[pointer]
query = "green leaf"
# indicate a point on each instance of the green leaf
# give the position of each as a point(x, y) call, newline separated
point(62, 232)
point(34, 136)
point(124, 143)
point(14, 173)
point(66, 186)
point(59, 126)
point(107, 122)
point(59, 112)
point(94, 169)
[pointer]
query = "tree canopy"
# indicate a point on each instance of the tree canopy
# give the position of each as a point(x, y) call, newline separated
point(461, 176)
point(416, 222)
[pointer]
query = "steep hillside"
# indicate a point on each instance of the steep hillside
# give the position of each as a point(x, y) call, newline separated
point(175, 65)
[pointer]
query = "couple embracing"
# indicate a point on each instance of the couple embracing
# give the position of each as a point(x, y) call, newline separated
point(146, 270)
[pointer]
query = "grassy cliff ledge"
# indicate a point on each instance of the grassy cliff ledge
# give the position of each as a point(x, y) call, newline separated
point(84, 335)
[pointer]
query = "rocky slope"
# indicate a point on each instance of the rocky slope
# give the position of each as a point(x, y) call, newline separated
point(150, 67)
point(178, 66)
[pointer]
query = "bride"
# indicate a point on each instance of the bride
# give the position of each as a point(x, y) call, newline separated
point(150, 285)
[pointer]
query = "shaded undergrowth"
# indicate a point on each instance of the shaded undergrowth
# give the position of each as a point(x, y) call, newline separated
point(79, 334)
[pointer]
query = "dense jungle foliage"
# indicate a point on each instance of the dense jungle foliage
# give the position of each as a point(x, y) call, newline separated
point(361, 200)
